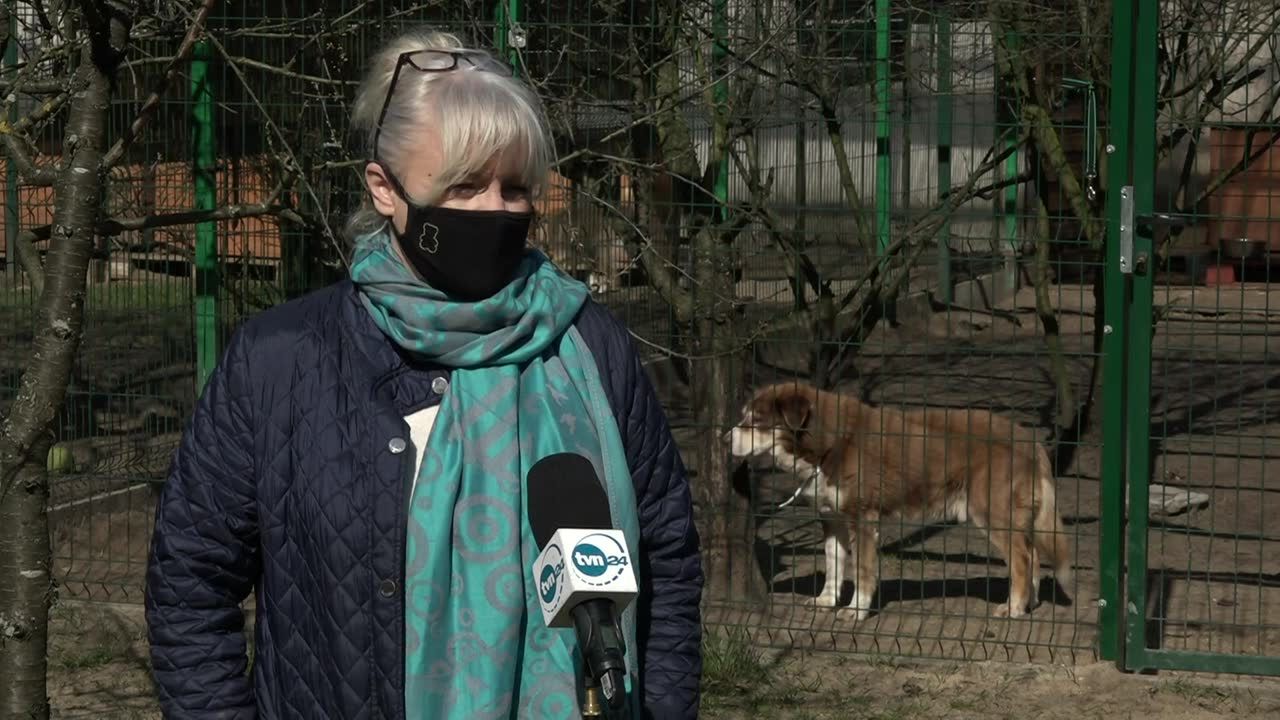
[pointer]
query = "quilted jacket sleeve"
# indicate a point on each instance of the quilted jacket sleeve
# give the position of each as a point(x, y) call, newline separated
point(673, 646)
point(204, 557)
point(671, 630)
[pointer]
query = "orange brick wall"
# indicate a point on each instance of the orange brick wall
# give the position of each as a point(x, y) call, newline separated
point(1247, 206)
point(238, 183)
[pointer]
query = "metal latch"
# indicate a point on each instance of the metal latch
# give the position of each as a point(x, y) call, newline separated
point(1147, 223)
point(1130, 263)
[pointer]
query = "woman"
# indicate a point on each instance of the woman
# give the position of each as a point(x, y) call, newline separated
point(358, 456)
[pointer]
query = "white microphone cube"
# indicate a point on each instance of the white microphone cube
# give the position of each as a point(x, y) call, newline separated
point(578, 565)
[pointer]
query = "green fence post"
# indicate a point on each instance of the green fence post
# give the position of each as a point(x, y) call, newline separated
point(944, 100)
point(205, 174)
point(1115, 343)
point(884, 162)
point(11, 169)
point(506, 17)
point(1138, 382)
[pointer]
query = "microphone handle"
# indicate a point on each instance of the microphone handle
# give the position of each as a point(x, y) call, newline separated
point(603, 650)
point(614, 686)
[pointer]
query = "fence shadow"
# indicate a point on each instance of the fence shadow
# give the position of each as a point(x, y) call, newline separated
point(989, 588)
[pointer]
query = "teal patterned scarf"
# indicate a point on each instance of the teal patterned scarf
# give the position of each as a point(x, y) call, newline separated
point(524, 386)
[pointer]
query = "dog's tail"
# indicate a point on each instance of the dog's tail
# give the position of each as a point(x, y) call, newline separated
point(1048, 534)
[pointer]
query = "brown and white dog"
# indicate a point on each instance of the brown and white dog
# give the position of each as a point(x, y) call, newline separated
point(861, 463)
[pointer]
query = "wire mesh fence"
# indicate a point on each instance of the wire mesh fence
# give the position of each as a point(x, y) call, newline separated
point(912, 205)
point(1202, 561)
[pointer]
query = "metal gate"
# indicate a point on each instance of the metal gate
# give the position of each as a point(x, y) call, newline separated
point(1190, 374)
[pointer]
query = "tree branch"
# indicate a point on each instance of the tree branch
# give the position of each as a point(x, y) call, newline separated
point(105, 26)
point(115, 226)
point(16, 143)
point(29, 259)
point(46, 26)
point(20, 155)
point(292, 74)
point(48, 86)
point(278, 135)
point(112, 226)
point(1223, 82)
point(661, 271)
point(665, 98)
point(149, 105)
point(869, 295)
point(801, 265)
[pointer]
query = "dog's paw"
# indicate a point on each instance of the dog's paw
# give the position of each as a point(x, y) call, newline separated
point(857, 614)
point(1006, 610)
point(826, 600)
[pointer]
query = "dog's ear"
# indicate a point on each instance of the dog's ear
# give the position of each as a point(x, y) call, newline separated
point(794, 409)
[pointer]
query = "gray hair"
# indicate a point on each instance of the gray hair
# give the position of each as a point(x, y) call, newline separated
point(476, 114)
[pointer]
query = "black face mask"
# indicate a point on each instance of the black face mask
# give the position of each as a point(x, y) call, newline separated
point(468, 255)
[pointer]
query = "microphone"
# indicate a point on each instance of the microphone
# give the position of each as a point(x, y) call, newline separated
point(584, 572)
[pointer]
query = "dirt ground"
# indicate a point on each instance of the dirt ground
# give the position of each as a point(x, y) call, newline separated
point(99, 670)
point(742, 683)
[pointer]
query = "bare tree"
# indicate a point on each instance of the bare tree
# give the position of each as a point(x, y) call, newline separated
point(73, 57)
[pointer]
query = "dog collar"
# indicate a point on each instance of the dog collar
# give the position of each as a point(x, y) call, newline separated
point(799, 490)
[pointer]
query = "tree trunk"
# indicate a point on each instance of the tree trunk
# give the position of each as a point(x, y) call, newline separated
point(727, 523)
point(24, 594)
point(825, 338)
point(726, 520)
point(25, 585)
point(1065, 410)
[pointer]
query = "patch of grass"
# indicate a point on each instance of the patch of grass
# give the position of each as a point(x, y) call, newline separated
point(739, 680)
point(1195, 693)
point(84, 641)
point(87, 658)
point(736, 674)
point(731, 663)
point(882, 661)
point(899, 710)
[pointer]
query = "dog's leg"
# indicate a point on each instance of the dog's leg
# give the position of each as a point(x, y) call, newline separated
point(1035, 570)
point(830, 595)
point(865, 561)
point(1014, 543)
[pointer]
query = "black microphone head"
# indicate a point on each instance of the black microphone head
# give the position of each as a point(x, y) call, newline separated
point(564, 492)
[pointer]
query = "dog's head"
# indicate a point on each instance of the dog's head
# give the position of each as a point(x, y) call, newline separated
point(773, 420)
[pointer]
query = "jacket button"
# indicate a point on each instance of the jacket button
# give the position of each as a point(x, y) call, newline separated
point(439, 386)
point(387, 588)
point(396, 445)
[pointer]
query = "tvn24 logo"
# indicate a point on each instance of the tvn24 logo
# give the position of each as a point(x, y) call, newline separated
point(549, 582)
point(599, 559)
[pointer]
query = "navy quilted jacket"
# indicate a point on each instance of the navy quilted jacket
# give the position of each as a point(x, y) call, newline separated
point(284, 484)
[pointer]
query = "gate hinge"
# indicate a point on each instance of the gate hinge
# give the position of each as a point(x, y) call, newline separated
point(1126, 230)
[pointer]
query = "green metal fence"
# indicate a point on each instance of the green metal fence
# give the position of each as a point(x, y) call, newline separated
point(1003, 205)
point(1200, 586)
